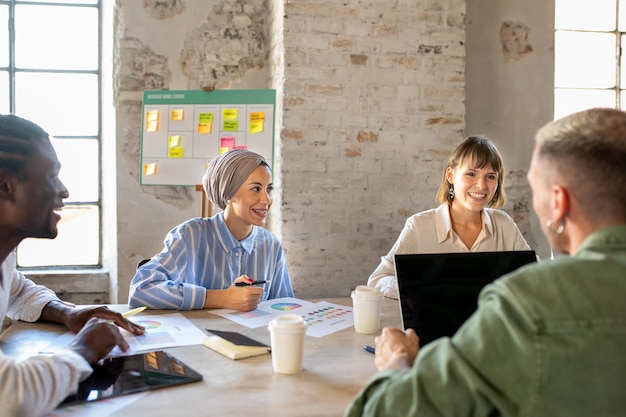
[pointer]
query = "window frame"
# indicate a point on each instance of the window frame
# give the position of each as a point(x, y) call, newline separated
point(12, 70)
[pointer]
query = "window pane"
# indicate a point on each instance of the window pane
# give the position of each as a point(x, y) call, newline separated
point(4, 92)
point(60, 1)
point(571, 101)
point(4, 36)
point(621, 24)
point(575, 51)
point(585, 14)
point(56, 37)
point(76, 244)
point(79, 167)
point(63, 104)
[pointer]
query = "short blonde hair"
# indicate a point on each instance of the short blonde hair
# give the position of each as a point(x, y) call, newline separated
point(587, 151)
point(481, 152)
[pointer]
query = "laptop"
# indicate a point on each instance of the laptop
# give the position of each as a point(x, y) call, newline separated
point(122, 375)
point(437, 292)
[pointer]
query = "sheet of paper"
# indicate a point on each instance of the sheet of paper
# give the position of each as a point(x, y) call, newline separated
point(322, 318)
point(162, 331)
point(264, 313)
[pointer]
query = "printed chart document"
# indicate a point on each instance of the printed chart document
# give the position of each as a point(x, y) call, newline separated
point(322, 318)
point(162, 331)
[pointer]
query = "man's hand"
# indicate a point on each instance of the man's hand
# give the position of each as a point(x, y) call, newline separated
point(96, 339)
point(75, 318)
point(396, 349)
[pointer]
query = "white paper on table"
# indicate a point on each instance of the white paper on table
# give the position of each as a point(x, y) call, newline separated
point(322, 318)
point(265, 311)
point(162, 331)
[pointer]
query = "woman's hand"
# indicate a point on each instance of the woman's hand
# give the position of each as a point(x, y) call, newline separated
point(244, 298)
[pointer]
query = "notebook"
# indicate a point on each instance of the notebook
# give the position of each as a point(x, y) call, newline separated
point(234, 345)
point(122, 375)
point(438, 292)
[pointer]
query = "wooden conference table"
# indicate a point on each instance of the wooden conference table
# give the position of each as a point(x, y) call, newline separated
point(335, 368)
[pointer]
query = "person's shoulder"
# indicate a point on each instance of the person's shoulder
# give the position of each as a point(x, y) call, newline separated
point(499, 217)
point(266, 237)
point(426, 215)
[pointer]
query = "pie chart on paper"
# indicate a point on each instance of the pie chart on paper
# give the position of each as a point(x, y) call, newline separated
point(285, 306)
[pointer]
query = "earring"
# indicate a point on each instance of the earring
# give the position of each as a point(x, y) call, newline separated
point(451, 192)
point(560, 228)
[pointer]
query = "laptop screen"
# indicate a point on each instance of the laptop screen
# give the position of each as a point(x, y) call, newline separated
point(438, 292)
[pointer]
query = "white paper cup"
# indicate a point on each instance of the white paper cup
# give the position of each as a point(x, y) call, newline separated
point(367, 304)
point(287, 333)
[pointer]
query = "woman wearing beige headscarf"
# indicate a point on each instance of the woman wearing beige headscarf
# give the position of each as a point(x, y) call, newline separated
point(203, 258)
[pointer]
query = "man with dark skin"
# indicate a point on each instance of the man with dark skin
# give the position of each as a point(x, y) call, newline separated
point(30, 194)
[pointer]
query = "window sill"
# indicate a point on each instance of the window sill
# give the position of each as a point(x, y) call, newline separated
point(78, 287)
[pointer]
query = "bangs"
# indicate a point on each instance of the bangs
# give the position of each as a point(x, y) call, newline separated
point(480, 157)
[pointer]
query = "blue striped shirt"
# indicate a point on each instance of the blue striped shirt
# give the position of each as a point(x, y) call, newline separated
point(202, 254)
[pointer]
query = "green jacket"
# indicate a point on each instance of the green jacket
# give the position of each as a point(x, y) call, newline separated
point(547, 340)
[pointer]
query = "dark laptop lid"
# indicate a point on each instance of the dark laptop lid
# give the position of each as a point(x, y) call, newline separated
point(438, 292)
point(122, 375)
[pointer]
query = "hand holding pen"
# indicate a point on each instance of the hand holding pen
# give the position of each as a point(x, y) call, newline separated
point(244, 294)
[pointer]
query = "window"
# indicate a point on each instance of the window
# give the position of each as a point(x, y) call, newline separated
point(50, 73)
point(589, 68)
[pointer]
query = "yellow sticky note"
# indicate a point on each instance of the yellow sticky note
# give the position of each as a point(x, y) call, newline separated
point(257, 116)
point(256, 127)
point(205, 122)
point(152, 115)
point(204, 127)
point(152, 126)
point(231, 125)
point(230, 114)
point(175, 141)
point(224, 150)
point(149, 169)
point(178, 114)
point(176, 152)
point(152, 121)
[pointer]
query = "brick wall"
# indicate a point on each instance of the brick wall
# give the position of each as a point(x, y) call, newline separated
point(373, 104)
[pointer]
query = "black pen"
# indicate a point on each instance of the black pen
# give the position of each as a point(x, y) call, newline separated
point(369, 349)
point(245, 284)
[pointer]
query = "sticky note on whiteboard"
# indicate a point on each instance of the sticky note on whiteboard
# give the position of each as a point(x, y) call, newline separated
point(227, 142)
point(175, 141)
point(150, 169)
point(176, 152)
point(178, 114)
point(256, 127)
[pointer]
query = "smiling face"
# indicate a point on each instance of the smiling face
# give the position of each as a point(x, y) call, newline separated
point(38, 193)
point(251, 203)
point(474, 187)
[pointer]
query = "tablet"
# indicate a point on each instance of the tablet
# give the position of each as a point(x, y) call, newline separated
point(113, 377)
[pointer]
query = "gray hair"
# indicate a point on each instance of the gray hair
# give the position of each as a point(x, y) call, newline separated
point(227, 172)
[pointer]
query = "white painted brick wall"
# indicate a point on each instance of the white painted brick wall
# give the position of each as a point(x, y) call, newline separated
point(371, 88)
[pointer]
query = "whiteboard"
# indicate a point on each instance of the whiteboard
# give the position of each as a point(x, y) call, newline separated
point(182, 131)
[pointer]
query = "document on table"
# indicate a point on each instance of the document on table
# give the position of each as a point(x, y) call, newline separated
point(162, 331)
point(322, 318)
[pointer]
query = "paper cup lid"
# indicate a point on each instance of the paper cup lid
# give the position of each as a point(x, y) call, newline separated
point(364, 291)
point(287, 321)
